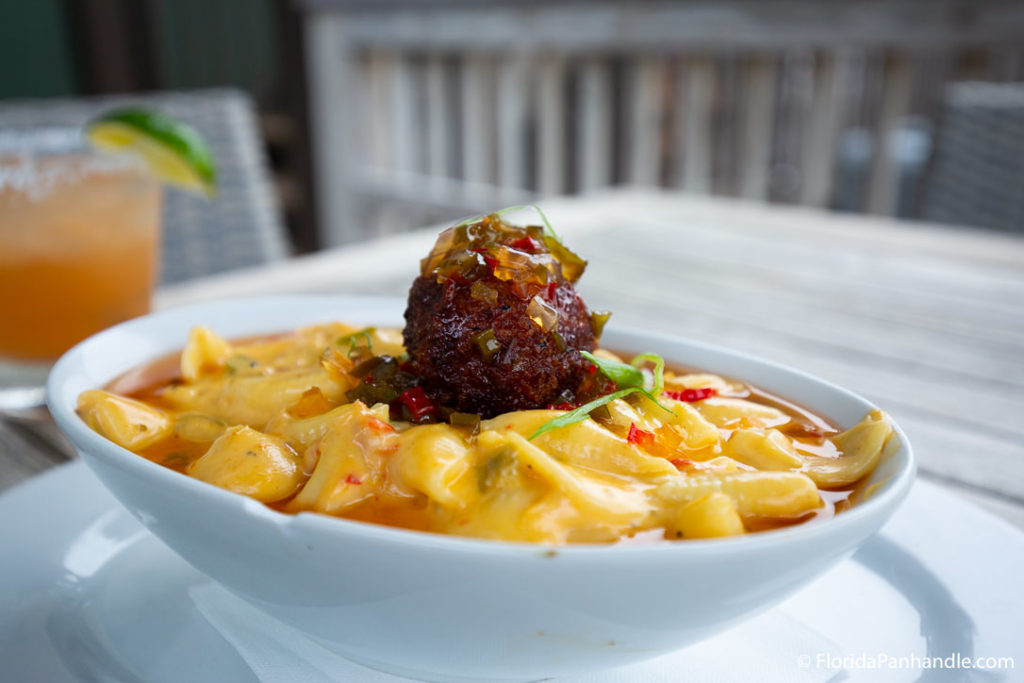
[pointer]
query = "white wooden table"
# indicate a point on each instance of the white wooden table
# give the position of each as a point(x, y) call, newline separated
point(926, 321)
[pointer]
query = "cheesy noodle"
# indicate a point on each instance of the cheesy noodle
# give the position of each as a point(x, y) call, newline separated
point(272, 419)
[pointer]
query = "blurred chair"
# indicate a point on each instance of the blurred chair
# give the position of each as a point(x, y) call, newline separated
point(449, 105)
point(241, 226)
point(977, 172)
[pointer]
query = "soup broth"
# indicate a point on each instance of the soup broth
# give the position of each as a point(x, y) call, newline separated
point(272, 417)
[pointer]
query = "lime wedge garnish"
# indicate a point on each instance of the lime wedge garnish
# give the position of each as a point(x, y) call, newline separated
point(172, 150)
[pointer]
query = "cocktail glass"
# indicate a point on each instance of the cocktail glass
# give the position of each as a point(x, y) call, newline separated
point(79, 245)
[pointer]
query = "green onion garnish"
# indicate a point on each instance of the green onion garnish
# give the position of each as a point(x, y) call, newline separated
point(659, 370)
point(583, 412)
point(548, 230)
point(623, 374)
point(487, 343)
point(659, 378)
point(352, 338)
point(471, 220)
point(631, 375)
point(627, 376)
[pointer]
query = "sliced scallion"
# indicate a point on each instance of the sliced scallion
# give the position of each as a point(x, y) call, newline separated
point(583, 412)
point(488, 344)
point(353, 338)
point(548, 230)
point(623, 374)
point(659, 370)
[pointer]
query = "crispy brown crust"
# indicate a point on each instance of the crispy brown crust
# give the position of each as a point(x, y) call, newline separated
point(528, 371)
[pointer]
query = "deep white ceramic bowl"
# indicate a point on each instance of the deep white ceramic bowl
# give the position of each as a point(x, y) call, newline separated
point(448, 608)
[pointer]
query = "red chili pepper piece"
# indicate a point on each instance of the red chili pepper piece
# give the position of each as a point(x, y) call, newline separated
point(491, 262)
point(353, 479)
point(551, 289)
point(639, 436)
point(680, 463)
point(591, 369)
point(418, 403)
point(564, 405)
point(526, 243)
point(691, 395)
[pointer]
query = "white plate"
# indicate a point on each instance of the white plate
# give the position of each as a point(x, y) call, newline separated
point(88, 594)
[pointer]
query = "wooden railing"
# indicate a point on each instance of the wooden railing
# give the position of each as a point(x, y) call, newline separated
point(425, 108)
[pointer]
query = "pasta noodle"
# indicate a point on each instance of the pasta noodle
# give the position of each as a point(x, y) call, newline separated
point(270, 418)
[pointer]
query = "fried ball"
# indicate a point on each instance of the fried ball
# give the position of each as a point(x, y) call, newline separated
point(494, 325)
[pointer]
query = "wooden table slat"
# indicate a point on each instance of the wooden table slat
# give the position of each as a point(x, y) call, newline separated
point(965, 348)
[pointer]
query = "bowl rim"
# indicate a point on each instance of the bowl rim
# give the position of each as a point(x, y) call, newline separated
point(62, 406)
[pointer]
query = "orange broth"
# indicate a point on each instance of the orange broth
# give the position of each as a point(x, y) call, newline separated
point(809, 429)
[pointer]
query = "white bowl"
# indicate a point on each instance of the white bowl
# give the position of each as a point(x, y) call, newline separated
point(443, 607)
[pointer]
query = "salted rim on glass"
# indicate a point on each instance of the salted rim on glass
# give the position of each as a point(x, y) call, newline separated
point(62, 407)
point(25, 154)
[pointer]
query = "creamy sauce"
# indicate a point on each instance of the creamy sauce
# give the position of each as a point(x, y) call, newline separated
point(810, 433)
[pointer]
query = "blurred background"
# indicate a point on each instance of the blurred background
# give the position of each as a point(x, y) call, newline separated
point(341, 120)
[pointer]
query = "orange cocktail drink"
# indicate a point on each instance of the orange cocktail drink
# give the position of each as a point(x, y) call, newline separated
point(79, 238)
